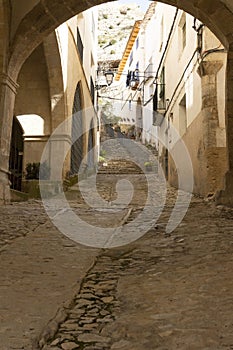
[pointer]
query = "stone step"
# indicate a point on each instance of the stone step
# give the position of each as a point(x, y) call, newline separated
point(119, 167)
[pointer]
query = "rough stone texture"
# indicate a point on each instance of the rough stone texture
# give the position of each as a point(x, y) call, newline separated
point(40, 271)
point(115, 26)
point(162, 291)
point(208, 160)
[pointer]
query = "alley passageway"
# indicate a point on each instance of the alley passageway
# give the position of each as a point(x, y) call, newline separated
point(161, 291)
point(105, 112)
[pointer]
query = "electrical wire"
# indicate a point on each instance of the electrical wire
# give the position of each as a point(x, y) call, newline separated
point(206, 53)
point(181, 79)
point(118, 99)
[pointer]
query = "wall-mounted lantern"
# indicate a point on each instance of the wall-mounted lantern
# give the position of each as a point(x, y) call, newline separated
point(109, 75)
point(104, 79)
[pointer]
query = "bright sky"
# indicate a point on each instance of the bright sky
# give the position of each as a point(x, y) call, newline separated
point(144, 4)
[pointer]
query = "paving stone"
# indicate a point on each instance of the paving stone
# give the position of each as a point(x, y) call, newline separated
point(93, 338)
point(70, 326)
point(161, 291)
point(56, 342)
point(122, 344)
point(70, 346)
point(107, 300)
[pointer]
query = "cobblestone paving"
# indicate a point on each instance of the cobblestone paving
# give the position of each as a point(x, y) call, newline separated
point(19, 219)
point(40, 271)
point(161, 292)
point(165, 292)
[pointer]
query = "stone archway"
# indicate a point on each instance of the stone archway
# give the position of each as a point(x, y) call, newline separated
point(4, 33)
point(55, 78)
point(77, 132)
point(91, 147)
point(45, 16)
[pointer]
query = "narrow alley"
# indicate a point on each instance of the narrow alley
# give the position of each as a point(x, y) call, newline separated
point(159, 292)
point(116, 175)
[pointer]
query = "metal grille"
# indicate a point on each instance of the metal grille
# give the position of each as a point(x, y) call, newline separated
point(77, 127)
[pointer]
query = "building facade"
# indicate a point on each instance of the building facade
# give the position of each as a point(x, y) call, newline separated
point(190, 97)
point(26, 24)
point(56, 83)
point(179, 93)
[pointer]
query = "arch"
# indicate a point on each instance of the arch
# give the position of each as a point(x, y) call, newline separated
point(33, 77)
point(4, 33)
point(47, 15)
point(16, 155)
point(77, 131)
point(91, 147)
point(55, 79)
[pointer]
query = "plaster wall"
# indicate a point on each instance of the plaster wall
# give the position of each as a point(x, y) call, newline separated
point(209, 164)
point(33, 95)
point(88, 24)
point(74, 72)
point(33, 148)
point(41, 91)
point(202, 98)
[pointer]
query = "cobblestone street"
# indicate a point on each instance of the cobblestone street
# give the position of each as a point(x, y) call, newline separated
point(161, 292)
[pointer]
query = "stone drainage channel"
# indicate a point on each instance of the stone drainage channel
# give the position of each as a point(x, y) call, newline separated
point(95, 305)
point(81, 324)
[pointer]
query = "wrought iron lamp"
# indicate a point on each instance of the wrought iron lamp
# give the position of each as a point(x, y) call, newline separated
point(109, 75)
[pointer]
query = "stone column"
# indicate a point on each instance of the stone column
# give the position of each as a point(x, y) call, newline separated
point(226, 196)
point(59, 148)
point(212, 158)
point(8, 92)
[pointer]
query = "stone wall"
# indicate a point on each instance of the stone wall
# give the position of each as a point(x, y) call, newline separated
point(33, 95)
point(209, 164)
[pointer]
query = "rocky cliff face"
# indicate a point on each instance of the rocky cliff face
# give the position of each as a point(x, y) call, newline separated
point(115, 24)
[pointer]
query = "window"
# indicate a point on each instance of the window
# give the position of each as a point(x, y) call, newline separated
point(131, 58)
point(93, 25)
point(161, 34)
point(77, 132)
point(161, 90)
point(184, 35)
point(80, 45)
point(92, 60)
point(92, 90)
point(130, 106)
point(182, 116)
point(182, 32)
point(137, 43)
